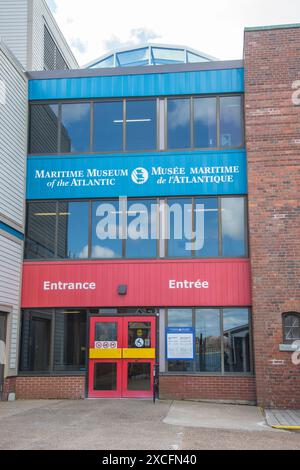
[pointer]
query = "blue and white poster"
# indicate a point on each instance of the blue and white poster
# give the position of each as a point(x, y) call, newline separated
point(167, 174)
point(180, 344)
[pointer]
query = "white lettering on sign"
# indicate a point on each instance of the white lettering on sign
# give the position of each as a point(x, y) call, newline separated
point(48, 285)
point(106, 345)
point(173, 284)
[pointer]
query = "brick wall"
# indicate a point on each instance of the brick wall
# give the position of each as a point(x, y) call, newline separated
point(272, 65)
point(58, 387)
point(223, 388)
point(8, 387)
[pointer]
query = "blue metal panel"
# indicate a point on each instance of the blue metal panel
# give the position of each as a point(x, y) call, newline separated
point(11, 231)
point(167, 174)
point(158, 84)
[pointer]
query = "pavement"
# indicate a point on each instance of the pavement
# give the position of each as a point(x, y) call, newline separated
point(137, 424)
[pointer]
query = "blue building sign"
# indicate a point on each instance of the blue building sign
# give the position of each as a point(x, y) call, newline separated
point(168, 174)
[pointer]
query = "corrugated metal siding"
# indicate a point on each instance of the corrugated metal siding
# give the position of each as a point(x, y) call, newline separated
point(147, 281)
point(10, 280)
point(13, 27)
point(165, 84)
point(13, 141)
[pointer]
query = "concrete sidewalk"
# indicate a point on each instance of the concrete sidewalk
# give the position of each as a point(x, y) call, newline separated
point(136, 424)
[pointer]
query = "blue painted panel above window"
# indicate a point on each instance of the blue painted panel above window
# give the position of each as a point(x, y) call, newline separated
point(152, 84)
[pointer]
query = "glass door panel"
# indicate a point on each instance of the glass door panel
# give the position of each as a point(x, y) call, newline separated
point(139, 337)
point(137, 378)
point(105, 379)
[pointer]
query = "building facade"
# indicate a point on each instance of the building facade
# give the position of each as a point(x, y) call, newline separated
point(162, 210)
point(30, 40)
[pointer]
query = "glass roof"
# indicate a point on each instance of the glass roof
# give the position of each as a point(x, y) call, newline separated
point(150, 54)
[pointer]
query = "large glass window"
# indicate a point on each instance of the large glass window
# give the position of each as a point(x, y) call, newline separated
point(207, 227)
point(130, 125)
point(53, 340)
point(141, 125)
point(179, 123)
point(233, 226)
point(206, 223)
point(106, 232)
point(180, 227)
point(236, 340)
point(208, 340)
point(36, 341)
point(231, 121)
point(73, 230)
point(69, 340)
point(205, 122)
point(180, 317)
point(108, 126)
point(222, 337)
point(141, 229)
point(43, 128)
point(41, 230)
point(75, 127)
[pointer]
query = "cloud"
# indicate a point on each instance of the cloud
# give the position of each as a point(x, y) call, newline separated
point(213, 27)
point(233, 218)
point(137, 37)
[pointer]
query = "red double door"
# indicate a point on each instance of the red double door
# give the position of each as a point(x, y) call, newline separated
point(121, 357)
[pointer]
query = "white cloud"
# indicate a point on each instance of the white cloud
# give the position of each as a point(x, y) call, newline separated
point(214, 27)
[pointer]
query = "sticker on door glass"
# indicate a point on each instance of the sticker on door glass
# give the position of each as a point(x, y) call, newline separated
point(139, 342)
point(106, 344)
point(139, 332)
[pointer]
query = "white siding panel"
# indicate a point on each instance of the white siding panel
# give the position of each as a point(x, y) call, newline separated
point(42, 16)
point(13, 27)
point(13, 140)
point(10, 281)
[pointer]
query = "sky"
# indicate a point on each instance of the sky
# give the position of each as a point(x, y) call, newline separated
point(95, 27)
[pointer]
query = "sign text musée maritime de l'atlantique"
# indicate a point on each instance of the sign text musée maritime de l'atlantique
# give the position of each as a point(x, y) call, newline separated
point(202, 173)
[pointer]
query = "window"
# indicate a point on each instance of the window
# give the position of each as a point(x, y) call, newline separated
point(75, 127)
point(206, 222)
point(231, 133)
point(69, 340)
point(180, 317)
point(179, 123)
point(53, 340)
point(108, 126)
point(141, 125)
point(106, 240)
point(205, 122)
point(44, 126)
point(73, 229)
point(208, 340)
point(57, 230)
point(141, 229)
point(193, 227)
point(233, 226)
point(180, 235)
point(236, 340)
point(291, 327)
point(36, 341)
point(41, 230)
point(222, 339)
point(130, 125)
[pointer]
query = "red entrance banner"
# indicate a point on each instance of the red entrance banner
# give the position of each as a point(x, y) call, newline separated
point(159, 283)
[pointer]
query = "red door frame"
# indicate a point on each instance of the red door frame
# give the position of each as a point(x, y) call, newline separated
point(122, 363)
